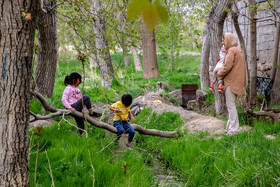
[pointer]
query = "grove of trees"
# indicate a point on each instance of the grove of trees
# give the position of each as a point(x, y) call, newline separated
point(96, 28)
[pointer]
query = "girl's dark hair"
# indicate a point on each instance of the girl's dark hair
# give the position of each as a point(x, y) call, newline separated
point(73, 76)
point(126, 99)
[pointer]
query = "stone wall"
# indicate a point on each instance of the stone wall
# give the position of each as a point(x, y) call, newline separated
point(266, 29)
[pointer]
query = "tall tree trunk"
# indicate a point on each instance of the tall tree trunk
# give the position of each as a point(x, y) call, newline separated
point(93, 61)
point(104, 58)
point(216, 33)
point(149, 52)
point(234, 16)
point(253, 55)
point(136, 59)
point(276, 51)
point(16, 46)
point(204, 62)
point(243, 46)
point(275, 96)
point(126, 60)
point(239, 34)
point(47, 55)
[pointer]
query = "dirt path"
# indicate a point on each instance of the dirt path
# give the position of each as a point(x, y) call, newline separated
point(193, 121)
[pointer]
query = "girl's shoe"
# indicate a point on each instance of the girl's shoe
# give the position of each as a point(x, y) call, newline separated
point(212, 89)
point(220, 90)
point(95, 114)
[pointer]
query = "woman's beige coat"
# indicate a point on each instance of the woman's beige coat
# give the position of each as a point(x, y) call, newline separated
point(234, 71)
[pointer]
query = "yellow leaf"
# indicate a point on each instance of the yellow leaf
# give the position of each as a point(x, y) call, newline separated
point(152, 13)
point(163, 13)
point(136, 7)
point(151, 16)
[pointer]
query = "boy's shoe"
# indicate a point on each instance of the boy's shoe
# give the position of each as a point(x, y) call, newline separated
point(129, 147)
point(220, 90)
point(212, 89)
point(95, 114)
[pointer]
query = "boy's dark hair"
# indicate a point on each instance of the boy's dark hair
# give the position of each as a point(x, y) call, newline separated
point(73, 76)
point(126, 99)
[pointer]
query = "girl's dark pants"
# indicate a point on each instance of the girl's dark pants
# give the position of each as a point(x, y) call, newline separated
point(122, 127)
point(79, 107)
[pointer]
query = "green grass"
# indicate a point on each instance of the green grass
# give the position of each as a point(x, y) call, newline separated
point(71, 156)
point(247, 159)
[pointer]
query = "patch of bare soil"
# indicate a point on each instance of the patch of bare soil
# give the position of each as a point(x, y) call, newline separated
point(193, 121)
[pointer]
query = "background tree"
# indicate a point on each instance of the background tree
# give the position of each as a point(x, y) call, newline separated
point(253, 54)
point(136, 59)
point(106, 67)
point(216, 33)
point(17, 40)
point(204, 62)
point(149, 52)
point(275, 98)
point(47, 54)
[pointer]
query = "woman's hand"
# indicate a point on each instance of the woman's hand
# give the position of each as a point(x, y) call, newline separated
point(73, 109)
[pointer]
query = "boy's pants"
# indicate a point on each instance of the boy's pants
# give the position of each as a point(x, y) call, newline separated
point(124, 126)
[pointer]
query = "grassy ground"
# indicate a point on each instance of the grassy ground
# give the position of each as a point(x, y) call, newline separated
point(246, 159)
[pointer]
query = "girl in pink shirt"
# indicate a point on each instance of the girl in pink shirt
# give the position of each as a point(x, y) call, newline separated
point(72, 98)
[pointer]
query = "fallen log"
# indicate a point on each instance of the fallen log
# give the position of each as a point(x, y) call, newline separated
point(268, 114)
point(98, 124)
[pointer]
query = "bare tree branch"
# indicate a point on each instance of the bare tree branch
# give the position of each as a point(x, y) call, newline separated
point(39, 117)
point(78, 128)
point(106, 126)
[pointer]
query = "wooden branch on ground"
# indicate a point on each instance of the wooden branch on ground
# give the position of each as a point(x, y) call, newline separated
point(99, 124)
point(268, 114)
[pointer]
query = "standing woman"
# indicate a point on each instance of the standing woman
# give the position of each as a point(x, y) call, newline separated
point(72, 98)
point(234, 74)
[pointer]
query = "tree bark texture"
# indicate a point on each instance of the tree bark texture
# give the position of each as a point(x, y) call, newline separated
point(149, 52)
point(275, 96)
point(136, 59)
point(239, 34)
point(204, 62)
point(93, 61)
point(276, 52)
point(216, 32)
point(126, 60)
point(16, 46)
point(47, 54)
point(253, 56)
point(242, 44)
point(106, 67)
